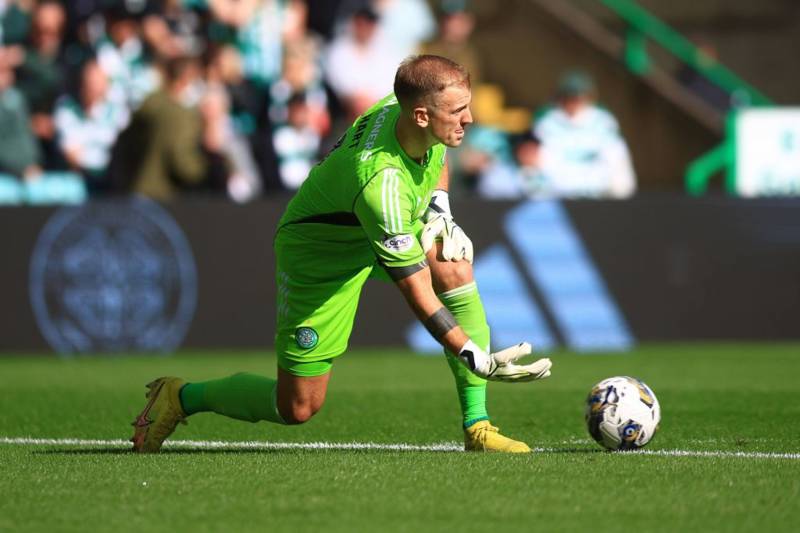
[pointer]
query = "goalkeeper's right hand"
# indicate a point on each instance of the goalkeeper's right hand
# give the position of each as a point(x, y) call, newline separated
point(500, 366)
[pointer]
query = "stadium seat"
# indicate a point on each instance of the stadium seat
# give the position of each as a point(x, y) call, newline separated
point(11, 190)
point(56, 188)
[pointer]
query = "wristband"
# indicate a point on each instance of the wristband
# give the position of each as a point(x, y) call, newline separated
point(440, 201)
point(468, 352)
point(440, 323)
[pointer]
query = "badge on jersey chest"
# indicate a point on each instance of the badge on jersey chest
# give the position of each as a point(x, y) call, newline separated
point(306, 337)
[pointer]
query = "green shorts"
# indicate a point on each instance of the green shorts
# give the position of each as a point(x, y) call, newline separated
point(319, 282)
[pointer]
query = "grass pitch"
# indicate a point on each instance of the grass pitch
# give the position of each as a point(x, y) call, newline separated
point(727, 457)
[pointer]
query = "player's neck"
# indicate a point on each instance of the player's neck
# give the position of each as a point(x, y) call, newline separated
point(412, 139)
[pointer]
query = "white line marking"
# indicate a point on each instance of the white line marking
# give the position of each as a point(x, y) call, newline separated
point(248, 445)
point(374, 446)
point(694, 453)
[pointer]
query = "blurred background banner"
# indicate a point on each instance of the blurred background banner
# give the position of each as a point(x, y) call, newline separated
point(112, 276)
point(767, 151)
point(123, 276)
point(629, 175)
point(571, 98)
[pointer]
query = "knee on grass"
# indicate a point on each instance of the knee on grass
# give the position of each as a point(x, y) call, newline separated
point(299, 413)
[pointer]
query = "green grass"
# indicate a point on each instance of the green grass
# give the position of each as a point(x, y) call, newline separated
point(730, 398)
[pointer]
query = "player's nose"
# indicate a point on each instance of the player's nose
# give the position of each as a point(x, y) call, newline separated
point(467, 117)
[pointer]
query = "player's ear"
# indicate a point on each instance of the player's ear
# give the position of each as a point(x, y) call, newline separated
point(420, 116)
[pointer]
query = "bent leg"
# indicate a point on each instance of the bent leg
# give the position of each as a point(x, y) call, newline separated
point(300, 397)
point(456, 288)
point(290, 399)
point(243, 396)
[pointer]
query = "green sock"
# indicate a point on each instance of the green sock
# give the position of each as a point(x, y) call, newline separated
point(465, 304)
point(241, 396)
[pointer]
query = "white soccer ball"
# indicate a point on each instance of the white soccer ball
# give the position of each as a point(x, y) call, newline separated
point(622, 413)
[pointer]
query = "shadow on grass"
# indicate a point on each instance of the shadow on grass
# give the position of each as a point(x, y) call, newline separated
point(298, 450)
point(179, 451)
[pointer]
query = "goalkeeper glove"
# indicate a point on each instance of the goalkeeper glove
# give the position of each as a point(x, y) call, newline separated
point(501, 366)
point(439, 223)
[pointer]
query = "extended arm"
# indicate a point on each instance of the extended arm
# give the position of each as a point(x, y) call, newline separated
point(384, 210)
point(418, 292)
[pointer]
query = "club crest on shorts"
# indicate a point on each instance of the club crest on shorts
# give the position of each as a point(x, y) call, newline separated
point(306, 337)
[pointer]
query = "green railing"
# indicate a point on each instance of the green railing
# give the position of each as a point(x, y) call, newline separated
point(643, 27)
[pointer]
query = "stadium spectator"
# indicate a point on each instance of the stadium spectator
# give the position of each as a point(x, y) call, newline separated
point(85, 26)
point(323, 16)
point(173, 28)
point(527, 156)
point(19, 151)
point(40, 76)
point(360, 63)
point(121, 54)
point(248, 123)
point(297, 142)
point(87, 124)
point(582, 152)
point(15, 20)
point(501, 178)
point(241, 177)
point(486, 165)
point(224, 67)
point(406, 23)
point(453, 40)
point(301, 75)
point(261, 27)
point(168, 148)
point(258, 29)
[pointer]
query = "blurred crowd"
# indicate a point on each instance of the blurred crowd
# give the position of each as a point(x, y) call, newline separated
point(241, 97)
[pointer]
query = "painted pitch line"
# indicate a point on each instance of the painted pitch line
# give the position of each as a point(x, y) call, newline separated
point(695, 453)
point(246, 445)
point(356, 446)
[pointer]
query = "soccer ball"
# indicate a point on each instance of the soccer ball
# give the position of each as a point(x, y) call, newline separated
point(622, 413)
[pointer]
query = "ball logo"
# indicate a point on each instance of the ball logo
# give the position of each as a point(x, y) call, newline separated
point(645, 394)
point(628, 435)
point(398, 243)
point(600, 397)
point(112, 277)
point(306, 337)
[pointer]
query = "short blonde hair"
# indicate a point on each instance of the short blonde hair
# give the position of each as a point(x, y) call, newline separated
point(419, 78)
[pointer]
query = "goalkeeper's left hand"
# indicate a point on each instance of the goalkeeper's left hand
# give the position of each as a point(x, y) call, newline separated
point(439, 223)
point(502, 365)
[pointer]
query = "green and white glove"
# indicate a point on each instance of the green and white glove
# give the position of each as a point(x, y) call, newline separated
point(501, 366)
point(439, 224)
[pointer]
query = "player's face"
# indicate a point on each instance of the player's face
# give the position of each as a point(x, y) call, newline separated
point(450, 115)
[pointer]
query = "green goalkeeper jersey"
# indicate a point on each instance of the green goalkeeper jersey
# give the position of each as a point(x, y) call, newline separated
point(367, 196)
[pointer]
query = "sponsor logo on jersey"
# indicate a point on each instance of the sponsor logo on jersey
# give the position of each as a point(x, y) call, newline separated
point(306, 337)
point(399, 243)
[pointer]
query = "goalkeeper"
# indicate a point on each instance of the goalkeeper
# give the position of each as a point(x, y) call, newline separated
point(376, 206)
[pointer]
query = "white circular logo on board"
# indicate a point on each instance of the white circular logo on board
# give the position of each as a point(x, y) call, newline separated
point(112, 277)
